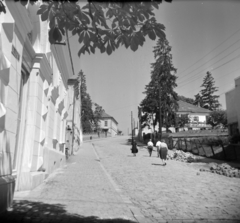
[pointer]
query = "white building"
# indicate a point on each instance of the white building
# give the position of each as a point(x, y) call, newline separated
point(108, 124)
point(197, 115)
point(233, 107)
point(34, 101)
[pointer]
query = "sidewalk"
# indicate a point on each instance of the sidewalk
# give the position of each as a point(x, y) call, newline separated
point(80, 192)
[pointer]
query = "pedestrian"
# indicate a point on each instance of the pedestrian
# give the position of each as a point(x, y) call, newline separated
point(158, 147)
point(150, 147)
point(134, 148)
point(163, 150)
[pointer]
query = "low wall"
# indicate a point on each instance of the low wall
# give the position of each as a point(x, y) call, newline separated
point(7, 186)
point(206, 146)
point(52, 159)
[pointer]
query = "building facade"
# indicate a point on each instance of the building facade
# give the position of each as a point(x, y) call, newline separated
point(34, 101)
point(108, 124)
point(197, 115)
point(233, 108)
point(197, 119)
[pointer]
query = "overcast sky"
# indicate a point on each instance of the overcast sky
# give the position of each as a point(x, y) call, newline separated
point(204, 35)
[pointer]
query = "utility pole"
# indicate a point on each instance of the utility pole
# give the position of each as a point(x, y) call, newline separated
point(132, 126)
point(160, 113)
point(73, 114)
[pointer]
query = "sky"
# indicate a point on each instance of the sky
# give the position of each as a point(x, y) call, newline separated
point(204, 36)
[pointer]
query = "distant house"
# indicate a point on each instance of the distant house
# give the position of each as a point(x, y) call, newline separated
point(197, 115)
point(108, 124)
point(233, 108)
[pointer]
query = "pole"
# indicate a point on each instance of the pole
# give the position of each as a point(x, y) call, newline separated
point(132, 127)
point(73, 120)
point(160, 113)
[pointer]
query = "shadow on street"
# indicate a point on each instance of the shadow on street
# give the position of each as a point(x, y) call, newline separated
point(32, 211)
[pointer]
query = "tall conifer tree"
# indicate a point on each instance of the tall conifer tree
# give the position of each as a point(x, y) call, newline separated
point(208, 98)
point(86, 112)
point(163, 79)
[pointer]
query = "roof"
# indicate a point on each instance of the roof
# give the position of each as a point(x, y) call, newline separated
point(105, 115)
point(190, 108)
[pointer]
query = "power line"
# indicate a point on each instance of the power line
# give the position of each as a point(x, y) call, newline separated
point(210, 51)
point(221, 75)
point(234, 58)
point(124, 107)
point(212, 58)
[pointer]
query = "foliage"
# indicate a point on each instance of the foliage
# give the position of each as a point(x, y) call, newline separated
point(119, 132)
point(217, 118)
point(188, 100)
point(162, 83)
point(181, 121)
point(97, 115)
point(206, 98)
point(198, 100)
point(86, 112)
point(101, 25)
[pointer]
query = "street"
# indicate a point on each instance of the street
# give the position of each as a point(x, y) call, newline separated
point(104, 182)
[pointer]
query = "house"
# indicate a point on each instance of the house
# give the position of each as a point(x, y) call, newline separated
point(108, 124)
point(233, 108)
point(197, 115)
point(38, 101)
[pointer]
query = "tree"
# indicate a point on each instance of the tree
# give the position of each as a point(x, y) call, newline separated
point(188, 100)
point(86, 112)
point(163, 82)
point(181, 121)
point(217, 118)
point(100, 25)
point(198, 100)
point(119, 132)
point(206, 97)
point(97, 115)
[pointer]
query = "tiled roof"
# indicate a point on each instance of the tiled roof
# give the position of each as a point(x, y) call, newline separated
point(105, 115)
point(186, 107)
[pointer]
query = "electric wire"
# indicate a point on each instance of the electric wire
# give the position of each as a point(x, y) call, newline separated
point(182, 84)
point(212, 59)
point(210, 51)
point(220, 76)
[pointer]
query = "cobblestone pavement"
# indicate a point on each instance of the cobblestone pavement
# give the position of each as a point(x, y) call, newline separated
point(177, 192)
point(79, 192)
point(103, 182)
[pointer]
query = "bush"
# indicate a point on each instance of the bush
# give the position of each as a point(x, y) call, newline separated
point(235, 139)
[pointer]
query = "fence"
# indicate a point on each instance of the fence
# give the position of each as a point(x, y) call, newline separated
point(214, 147)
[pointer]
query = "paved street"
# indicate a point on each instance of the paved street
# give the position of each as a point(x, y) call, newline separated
point(103, 182)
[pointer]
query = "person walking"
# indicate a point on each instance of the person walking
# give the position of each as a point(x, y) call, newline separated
point(163, 150)
point(150, 147)
point(158, 147)
point(134, 148)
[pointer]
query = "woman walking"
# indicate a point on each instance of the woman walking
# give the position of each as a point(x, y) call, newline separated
point(158, 147)
point(134, 148)
point(163, 150)
point(150, 147)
